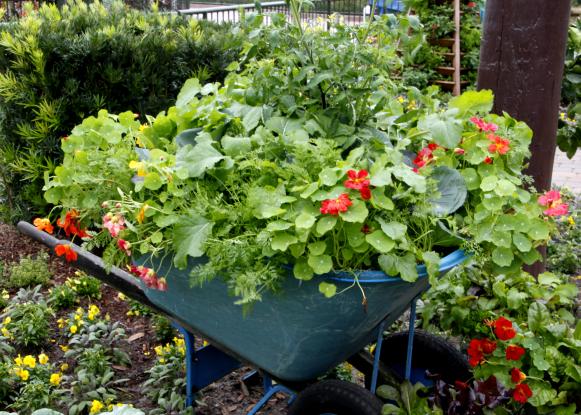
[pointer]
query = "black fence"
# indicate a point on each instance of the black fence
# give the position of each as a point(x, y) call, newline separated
point(351, 11)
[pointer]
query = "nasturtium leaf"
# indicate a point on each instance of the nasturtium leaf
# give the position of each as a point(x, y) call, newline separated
point(539, 230)
point(327, 289)
point(515, 298)
point(387, 264)
point(412, 179)
point(502, 256)
point(394, 230)
point(317, 248)
point(489, 183)
point(530, 257)
point(502, 239)
point(521, 242)
point(355, 213)
point(354, 235)
point(234, 146)
point(302, 270)
point(471, 178)
point(198, 159)
point(379, 199)
point(282, 240)
point(305, 221)
point(492, 202)
point(156, 237)
point(330, 176)
point(472, 102)
point(321, 264)
point(188, 92)
point(325, 224)
point(504, 188)
point(278, 225)
point(266, 202)
point(297, 250)
point(381, 177)
point(152, 181)
point(445, 128)
point(407, 268)
point(537, 315)
point(380, 241)
point(189, 236)
point(309, 190)
point(452, 191)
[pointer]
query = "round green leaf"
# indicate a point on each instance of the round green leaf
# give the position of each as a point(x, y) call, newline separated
point(502, 256)
point(327, 289)
point(321, 264)
point(325, 224)
point(521, 242)
point(380, 241)
point(356, 213)
point(282, 240)
point(305, 221)
point(302, 270)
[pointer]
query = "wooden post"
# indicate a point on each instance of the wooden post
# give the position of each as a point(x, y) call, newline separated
point(457, 64)
point(521, 60)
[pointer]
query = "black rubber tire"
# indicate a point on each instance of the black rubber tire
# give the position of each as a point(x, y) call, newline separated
point(430, 352)
point(336, 397)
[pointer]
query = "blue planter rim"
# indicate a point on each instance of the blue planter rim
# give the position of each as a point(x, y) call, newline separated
point(375, 277)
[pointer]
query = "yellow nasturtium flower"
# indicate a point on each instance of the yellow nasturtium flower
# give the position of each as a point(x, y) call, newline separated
point(29, 361)
point(96, 407)
point(55, 379)
point(42, 359)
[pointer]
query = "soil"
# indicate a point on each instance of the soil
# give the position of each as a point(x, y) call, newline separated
point(227, 396)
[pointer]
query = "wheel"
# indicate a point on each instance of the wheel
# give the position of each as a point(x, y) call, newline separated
point(430, 353)
point(335, 397)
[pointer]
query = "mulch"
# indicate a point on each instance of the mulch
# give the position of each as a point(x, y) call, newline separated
point(225, 397)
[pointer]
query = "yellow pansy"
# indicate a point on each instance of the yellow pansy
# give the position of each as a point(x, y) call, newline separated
point(571, 220)
point(5, 332)
point(74, 329)
point(29, 361)
point(5, 295)
point(61, 323)
point(22, 374)
point(64, 348)
point(55, 379)
point(18, 361)
point(400, 99)
point(42, 359)
point(139, 166)
point(121, 297)
point(7, 321)
point(158, 350)
point(96, 407)
point(64, 367)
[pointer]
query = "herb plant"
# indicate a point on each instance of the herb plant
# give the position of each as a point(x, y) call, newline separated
point(29, 272)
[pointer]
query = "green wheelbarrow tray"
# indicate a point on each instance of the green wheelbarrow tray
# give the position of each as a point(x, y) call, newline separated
point(295, 335)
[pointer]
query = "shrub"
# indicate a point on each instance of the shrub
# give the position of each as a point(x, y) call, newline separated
point(30, 271)
point(59, 66)
point(29, 324)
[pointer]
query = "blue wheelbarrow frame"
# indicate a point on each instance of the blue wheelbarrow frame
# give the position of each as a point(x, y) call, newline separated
point(292, 337)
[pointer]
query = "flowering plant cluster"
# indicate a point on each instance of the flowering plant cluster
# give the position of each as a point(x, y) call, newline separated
point(264, 171)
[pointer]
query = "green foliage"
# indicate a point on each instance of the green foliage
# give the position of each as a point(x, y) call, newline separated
point(62, 297)
point(164, 331)
point(569, 134)
point(58, 66)
point(85, 286)
point(166, 383)
point(542, 311)
point(29, 322)
point(30, 271)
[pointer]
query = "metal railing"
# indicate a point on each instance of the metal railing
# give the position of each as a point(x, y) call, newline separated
point(351, 11)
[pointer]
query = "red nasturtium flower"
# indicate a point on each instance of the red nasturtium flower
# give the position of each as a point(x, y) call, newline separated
point(555, 206)
point(484, 126)
point(357, 180)
point(488, 160)
point(424, 157)
point(517, 376)
point(514, 352)
point(522, 393)
point(471, 4)
point(365, 193)
point(149, 277)
point(498, 144)
point(334, 206)
point(478, 348)
point(43, 224)
point(71, 224)
point(67, 251)
point(124, 246)
point(504, 329)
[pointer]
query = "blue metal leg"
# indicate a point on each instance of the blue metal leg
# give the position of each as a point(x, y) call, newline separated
point(376, 358)
point(189, 340)
point(410, 350)
point(269, 391)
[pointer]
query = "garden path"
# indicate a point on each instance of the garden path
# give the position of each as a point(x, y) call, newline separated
point(567, 172)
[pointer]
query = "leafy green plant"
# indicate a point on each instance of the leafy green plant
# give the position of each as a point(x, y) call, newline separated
point(564, 250)
point(164, 331)
point(30, 271)
point(28, 323)
point(325, 170)
point(62, 297)
point(60, 65)
point(85, 286)
point(166, 382)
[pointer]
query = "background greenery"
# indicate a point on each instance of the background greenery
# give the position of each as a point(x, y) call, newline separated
point(60, 66)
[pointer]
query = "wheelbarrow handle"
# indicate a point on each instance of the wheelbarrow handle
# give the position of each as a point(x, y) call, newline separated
point(93, 265)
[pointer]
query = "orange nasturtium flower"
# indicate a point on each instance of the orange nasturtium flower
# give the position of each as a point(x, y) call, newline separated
point(67, 251)
point(71, 224)
point(498, 144)
point(43, 224)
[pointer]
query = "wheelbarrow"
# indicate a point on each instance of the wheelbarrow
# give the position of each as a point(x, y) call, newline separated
point(292, 337)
